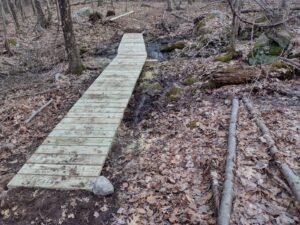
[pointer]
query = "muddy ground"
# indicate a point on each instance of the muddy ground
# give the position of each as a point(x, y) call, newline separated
point(166, 145)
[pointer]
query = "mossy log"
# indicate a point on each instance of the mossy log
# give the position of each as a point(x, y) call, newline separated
point(232, 75)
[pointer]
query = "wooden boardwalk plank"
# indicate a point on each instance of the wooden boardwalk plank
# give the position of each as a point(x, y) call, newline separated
point(67, 159)
point(61, 170)
point(92, 120)
point(52, 182)
point(73, 154)
point(97, 110)
point(91, 126)
point(73, 150)
point(81, 133)
point(94, 141)
point(93, 114)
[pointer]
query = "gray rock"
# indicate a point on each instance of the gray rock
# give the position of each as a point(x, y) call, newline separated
point(96, 63)
point(102, 186)
point(85, 11)
point(281, 36)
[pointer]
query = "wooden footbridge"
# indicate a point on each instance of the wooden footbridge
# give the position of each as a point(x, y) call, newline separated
point(73, 154)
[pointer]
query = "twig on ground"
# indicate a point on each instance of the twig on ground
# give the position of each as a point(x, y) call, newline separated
point(227, 195)
point(292, 179)
point(35, 112)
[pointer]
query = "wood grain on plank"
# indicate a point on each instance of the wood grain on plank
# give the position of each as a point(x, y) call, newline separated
point(94, 141)
point(87, 126)
point(73, 150)
point(67, 159)
point(91, 120)
point(61, 170)
point(81, 133)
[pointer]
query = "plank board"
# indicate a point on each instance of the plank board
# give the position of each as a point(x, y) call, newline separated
point(73, 154)
point(72, 150)
point(67, 159)
point(61, 170)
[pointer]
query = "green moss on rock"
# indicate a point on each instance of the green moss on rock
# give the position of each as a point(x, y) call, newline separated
point(275, 50)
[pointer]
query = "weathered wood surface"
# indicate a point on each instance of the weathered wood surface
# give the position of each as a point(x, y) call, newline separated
point(73, 154)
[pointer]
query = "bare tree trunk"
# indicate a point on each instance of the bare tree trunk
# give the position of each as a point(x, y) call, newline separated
point(2, 16)
point(100, 3)
point(20, 6)
point(33, 7)
point(49, 18)
point(235, 24)
point(41, 19)
point(126, 6)
point(14, 14)
point(190, 2)
point(169, 5)
point(75, 65)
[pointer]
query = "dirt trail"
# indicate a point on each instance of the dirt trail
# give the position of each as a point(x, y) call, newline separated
point(167, 141)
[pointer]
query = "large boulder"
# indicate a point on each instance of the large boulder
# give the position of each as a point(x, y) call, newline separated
point(85, 11)
point(281, 36)
point(265, 51)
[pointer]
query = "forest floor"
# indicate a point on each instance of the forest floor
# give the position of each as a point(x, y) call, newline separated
point(167, 143)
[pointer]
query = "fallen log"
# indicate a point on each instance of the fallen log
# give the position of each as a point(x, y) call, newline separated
point(261, 10)
point(227, 194)
point(292, 179)
point(241, 75)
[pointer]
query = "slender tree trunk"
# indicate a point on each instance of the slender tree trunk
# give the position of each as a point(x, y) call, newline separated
point(235, 24)
point(169, 5)
point(100, 3)
point(20, 6)
point(126, 6)
point(33, 7)
point(49, 18)
point(3, 19)
point(14, 14)
point(41, 19)
point(75, 65)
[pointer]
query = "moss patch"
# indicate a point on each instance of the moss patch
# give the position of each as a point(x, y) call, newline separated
point(192, 124)
point(83, 50)
point(79, 69)
point(228, 56)
point(279, 64)
point(190, 81)
point(174, 93)
point(12, 41)
point(172, 46)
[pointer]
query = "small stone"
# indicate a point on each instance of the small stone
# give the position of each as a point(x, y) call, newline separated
point(102, 186)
